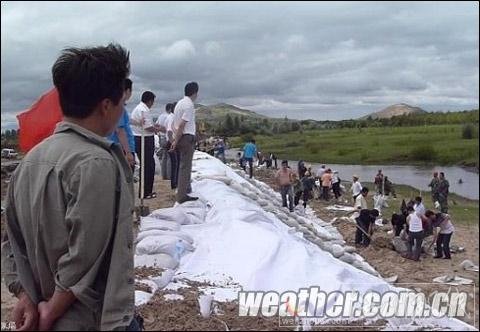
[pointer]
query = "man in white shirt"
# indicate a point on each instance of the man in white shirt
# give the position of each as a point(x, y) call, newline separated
point(360, 201)
point(419, 207)
point(163, 152)
point(184, 141)
point(142, 124)
point(173, 154)
point(321, 171)
point(356, 187)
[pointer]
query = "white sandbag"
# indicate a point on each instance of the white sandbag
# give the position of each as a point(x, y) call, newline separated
point(163, 279)
point(171, 214)
point(236, 186)
point(337, 251)
point(142, 297)
point(347, 258)
point(350, 249)
point(468, 265)
point(262, 202)
point(196, 214)
point(252, 196)
point(162, 261)
point(155, 232)
point(291, 222)
point(399, 245)
point(205, 304)
point(147, 223)
point(163, 244)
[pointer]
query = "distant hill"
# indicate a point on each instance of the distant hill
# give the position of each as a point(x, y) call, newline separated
point(395, 110)
point(218, 112)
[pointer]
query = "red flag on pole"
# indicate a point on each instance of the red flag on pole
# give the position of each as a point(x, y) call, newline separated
point(39, 121)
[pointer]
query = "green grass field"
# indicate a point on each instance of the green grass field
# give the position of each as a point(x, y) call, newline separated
point(421, 145)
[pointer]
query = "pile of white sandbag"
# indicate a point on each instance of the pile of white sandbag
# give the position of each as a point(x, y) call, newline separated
point(160, 243)
point(318, 232)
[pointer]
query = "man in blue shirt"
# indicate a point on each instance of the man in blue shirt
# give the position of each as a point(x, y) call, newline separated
point(249, 151)
point(123, 135)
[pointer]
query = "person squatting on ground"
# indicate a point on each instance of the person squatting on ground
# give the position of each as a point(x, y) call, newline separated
point(284, 179)
point(68, 255)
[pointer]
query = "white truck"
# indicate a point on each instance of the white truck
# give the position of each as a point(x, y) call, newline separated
point(9, 153)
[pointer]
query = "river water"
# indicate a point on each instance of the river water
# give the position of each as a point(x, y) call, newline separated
point(416, 176)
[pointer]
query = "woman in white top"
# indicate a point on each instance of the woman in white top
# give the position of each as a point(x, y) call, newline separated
point(415, 236)
point(444, 222)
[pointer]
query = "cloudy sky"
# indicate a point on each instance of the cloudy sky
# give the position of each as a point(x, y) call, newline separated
point(301, 60)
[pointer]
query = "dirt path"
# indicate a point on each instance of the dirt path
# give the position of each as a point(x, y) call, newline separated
point(415, 275)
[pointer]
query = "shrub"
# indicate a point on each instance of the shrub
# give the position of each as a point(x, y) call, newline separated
point(423, 152)
point(468, 131)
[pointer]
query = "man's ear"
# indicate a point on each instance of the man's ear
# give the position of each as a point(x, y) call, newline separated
point(105, 106)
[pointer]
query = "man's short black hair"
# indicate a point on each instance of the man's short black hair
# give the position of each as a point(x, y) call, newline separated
point(284, 162)
point(429, 213)
point(191, 88)
point(86, 76)
point(253, 141)
point(128, 84)
point(374, 212)
point(169, 107)
point(147, 96)
point(418, 199)
point(364, 190)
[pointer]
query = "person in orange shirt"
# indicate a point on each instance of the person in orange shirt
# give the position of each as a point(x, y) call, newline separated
point(326, 184)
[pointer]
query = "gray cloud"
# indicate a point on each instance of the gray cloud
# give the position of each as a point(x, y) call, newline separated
point(303, 60)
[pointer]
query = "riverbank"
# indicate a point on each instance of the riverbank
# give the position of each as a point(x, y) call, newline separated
point(380, 255)
point(419, 145)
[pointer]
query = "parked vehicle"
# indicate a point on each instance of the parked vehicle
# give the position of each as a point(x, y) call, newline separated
point(9, 153)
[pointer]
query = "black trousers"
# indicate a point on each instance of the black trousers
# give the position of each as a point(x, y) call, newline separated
point(250, 165)
point(149, 163)
point(336, 189)
point(443, 245)
point(325, 193)
point(174, 165)
point(360, 237)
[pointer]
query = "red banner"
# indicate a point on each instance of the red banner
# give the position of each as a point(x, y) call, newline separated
point(39, 121)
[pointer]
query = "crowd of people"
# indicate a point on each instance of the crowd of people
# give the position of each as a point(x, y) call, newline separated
point(413, 224)
point(68, 255)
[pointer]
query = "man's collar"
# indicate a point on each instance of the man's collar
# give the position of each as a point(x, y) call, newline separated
point(65, 126)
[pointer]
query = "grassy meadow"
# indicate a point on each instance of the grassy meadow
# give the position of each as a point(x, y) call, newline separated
point(419, 145)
